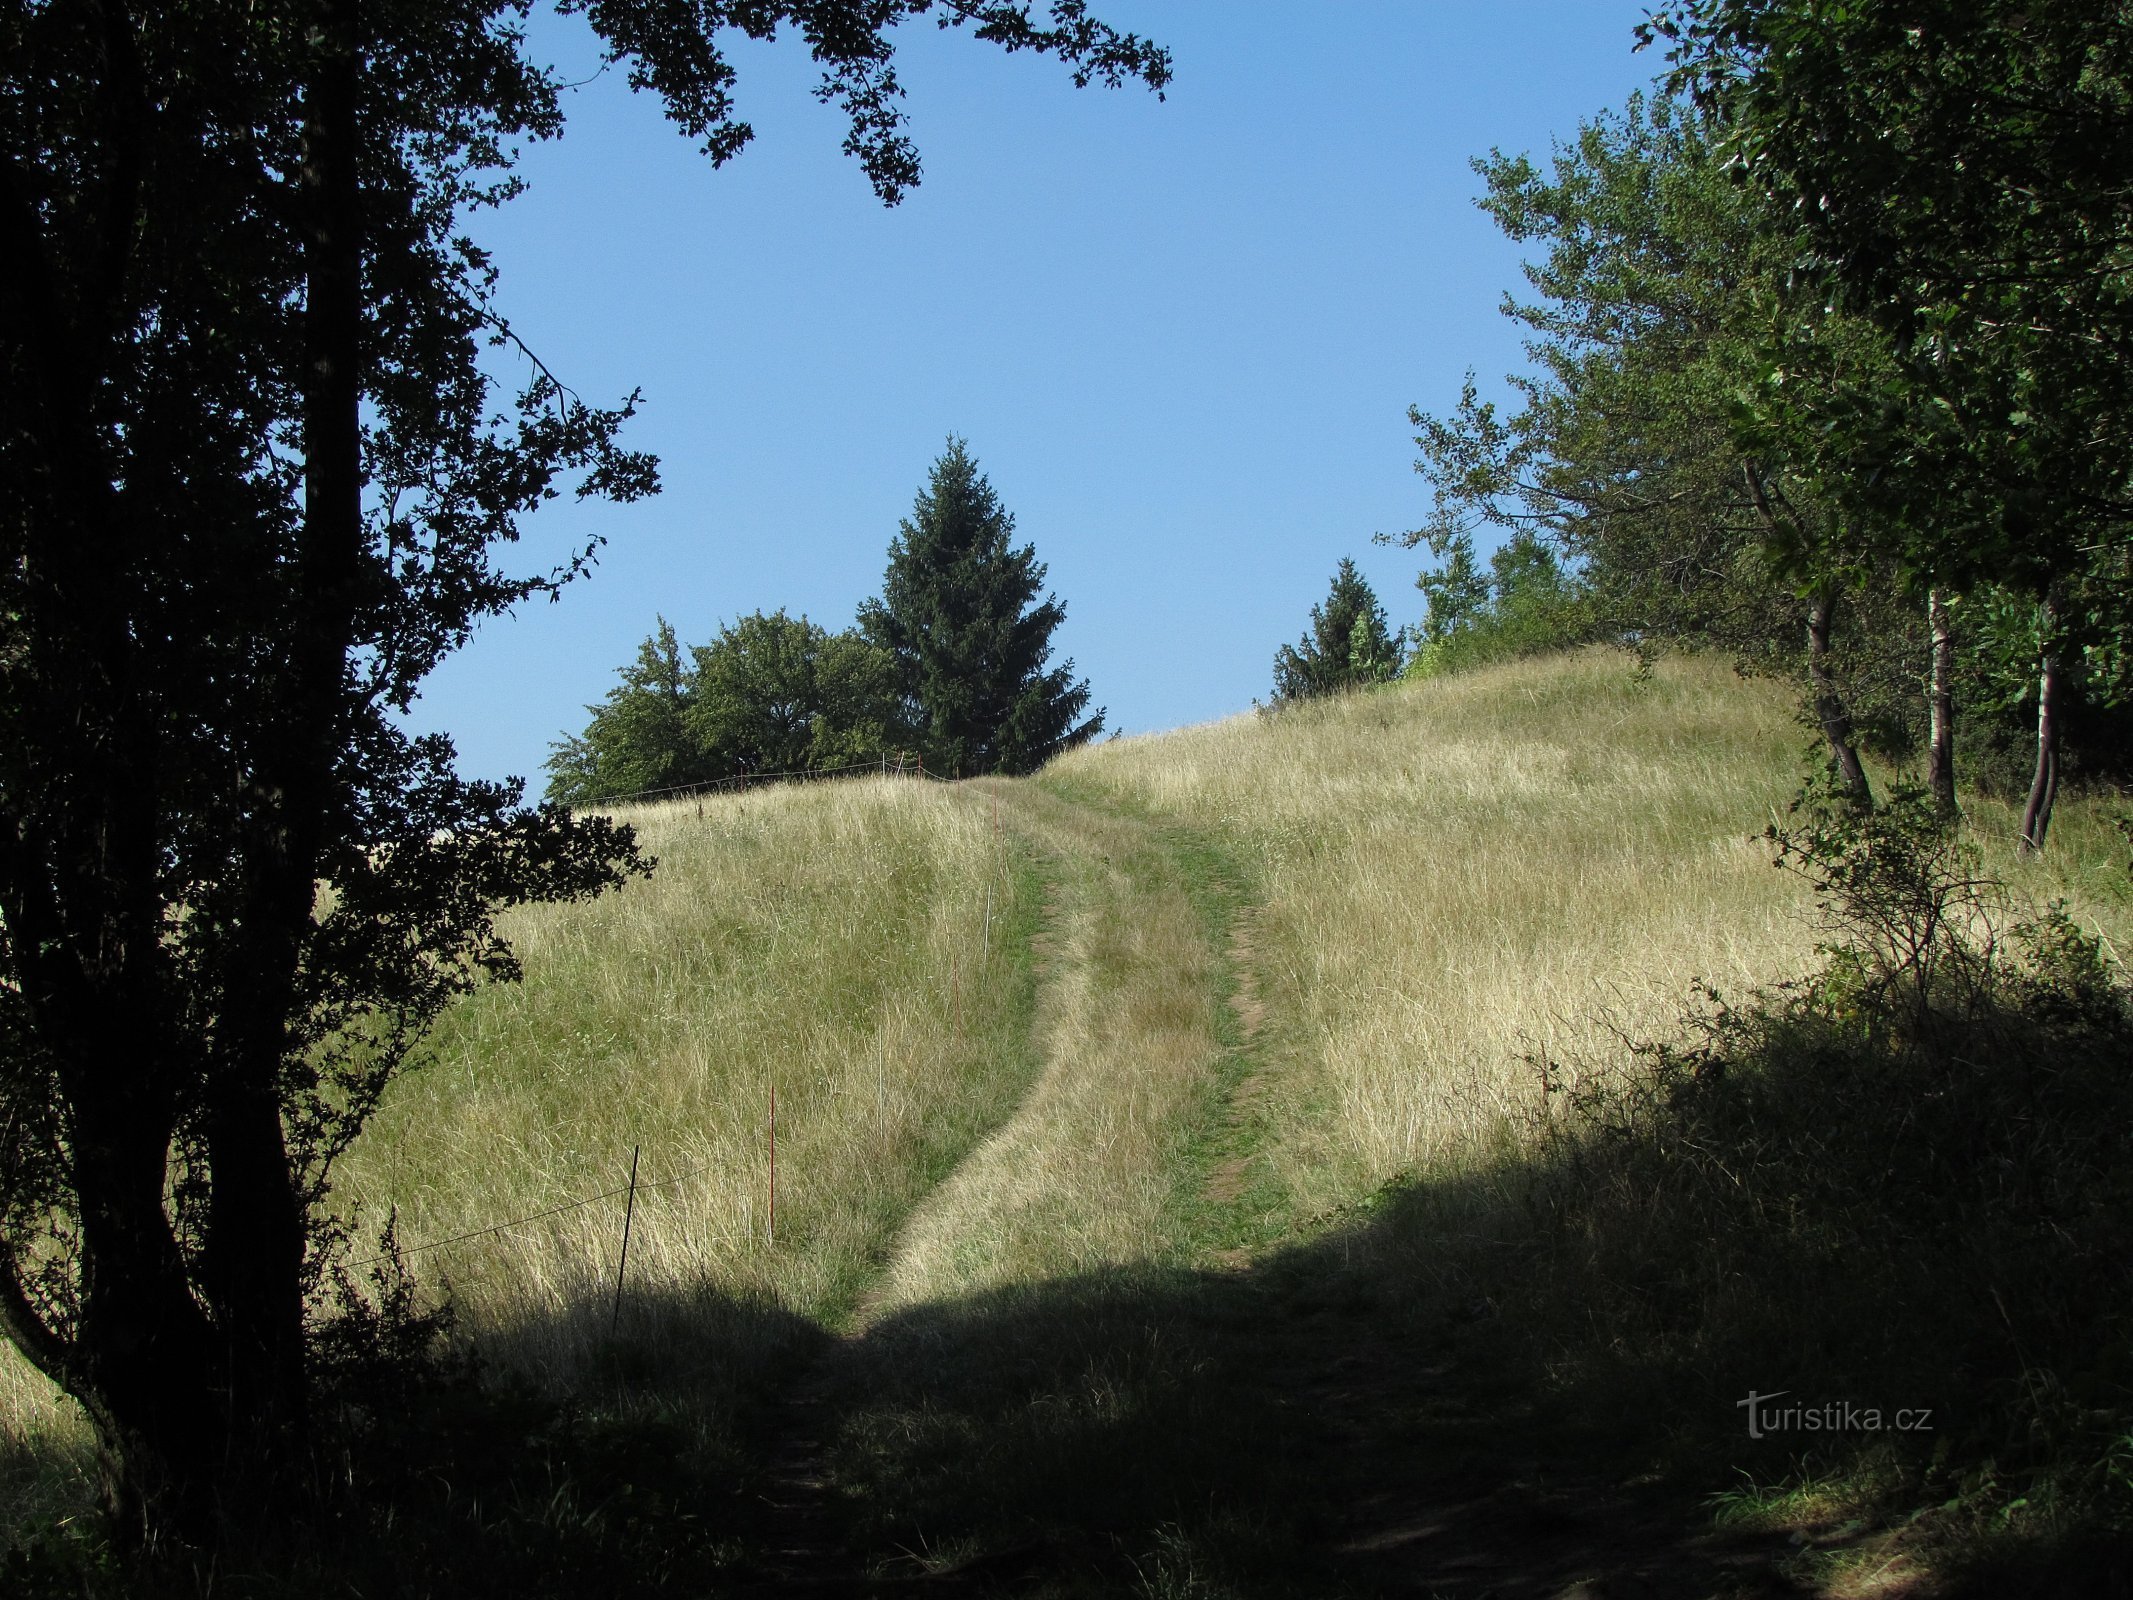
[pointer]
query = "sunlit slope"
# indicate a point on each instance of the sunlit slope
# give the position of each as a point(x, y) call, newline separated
point(1457, 874)
point(1130, 1033)
point(859, 948)
point(1289, 956)
point(1166, 1000)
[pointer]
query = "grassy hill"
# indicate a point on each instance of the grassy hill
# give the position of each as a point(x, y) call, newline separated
point(1135, 1124)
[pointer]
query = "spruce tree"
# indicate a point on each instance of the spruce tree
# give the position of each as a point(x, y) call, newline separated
point(1348, 645)
point(959, 612)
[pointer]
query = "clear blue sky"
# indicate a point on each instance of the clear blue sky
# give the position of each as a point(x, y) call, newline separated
point(1180, 336)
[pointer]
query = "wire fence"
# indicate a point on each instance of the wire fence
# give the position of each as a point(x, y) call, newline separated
point(640, 1187)
point(901, 765)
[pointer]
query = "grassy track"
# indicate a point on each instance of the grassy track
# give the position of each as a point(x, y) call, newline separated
point(1080, 1114)
point(1101, 1163)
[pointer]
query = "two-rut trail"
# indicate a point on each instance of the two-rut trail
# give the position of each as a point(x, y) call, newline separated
point(1133, 1034)
point(1139, 1005)
point(1136, 1145)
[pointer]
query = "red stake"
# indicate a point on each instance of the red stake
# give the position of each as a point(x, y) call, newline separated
point(773, 1165)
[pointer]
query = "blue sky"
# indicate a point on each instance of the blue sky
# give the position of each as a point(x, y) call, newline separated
point(1181, 337)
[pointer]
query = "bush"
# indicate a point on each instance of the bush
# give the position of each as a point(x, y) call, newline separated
point(1899, 1183)
point(1524, 605)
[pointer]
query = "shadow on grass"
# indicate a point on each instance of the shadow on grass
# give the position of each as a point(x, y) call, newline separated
point(1831, 1297)
point(1510, 1385)
point(1908, 1247)
point(1327, 1422)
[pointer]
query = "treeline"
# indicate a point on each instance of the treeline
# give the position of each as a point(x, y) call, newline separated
point(950, 665)
point(1830, 372)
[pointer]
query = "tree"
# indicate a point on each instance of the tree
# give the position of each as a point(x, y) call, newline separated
point(771, 693)
point(1957, 170)
point(1525, 604)
point(855, 690)
point(1348, 645)
point(780, 694)
point(755, 703)
point(1657, 280)
point(254, 477)
point(640, 739)
point(959, 613)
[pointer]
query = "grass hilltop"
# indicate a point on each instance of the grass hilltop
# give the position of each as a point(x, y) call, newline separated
point(1284, 1156)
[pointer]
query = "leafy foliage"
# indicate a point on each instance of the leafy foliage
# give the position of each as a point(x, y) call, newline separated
point(780, 694)
point(1525, 604)
point(1956, 171)
point(1620, 452)
point(771, 693)
point(639, 740)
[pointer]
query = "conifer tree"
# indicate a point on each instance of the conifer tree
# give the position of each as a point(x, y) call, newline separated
point(1347, 647)
point(959, 612)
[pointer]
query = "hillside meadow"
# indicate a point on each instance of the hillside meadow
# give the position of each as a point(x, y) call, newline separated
point(1179, 1005)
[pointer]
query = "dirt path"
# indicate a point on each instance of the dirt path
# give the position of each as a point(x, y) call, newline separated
point(1053, 1394)
point(1128, 1023)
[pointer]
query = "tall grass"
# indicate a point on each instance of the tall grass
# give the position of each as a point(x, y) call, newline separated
point(860, 948)
point(857, 950)
point(1084, 1174)
point(1460, 873)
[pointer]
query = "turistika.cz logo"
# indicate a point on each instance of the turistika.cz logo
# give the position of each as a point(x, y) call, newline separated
point(1829, 1416)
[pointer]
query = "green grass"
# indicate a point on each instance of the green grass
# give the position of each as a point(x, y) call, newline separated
point(1193, 1216)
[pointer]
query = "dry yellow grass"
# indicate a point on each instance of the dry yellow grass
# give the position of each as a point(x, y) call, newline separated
point(1460, 872)
point(824, 940)
point(1442, 878)
point(830, 943)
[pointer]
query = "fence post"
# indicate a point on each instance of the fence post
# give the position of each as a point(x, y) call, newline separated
point(629, 1215)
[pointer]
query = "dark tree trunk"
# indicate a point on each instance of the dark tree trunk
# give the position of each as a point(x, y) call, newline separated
point(247, 1462)
point(1940, 753)
point(2044, 787)
point(79, 861)
point(253, 1263)
point(143, 1361)
point(1830, 711)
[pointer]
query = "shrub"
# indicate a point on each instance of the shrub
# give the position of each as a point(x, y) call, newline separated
point(1899, 1182)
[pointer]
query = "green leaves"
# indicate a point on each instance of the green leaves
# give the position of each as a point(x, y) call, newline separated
point(771, 693)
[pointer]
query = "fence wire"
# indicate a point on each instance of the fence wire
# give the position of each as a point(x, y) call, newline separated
point(643, 1186)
